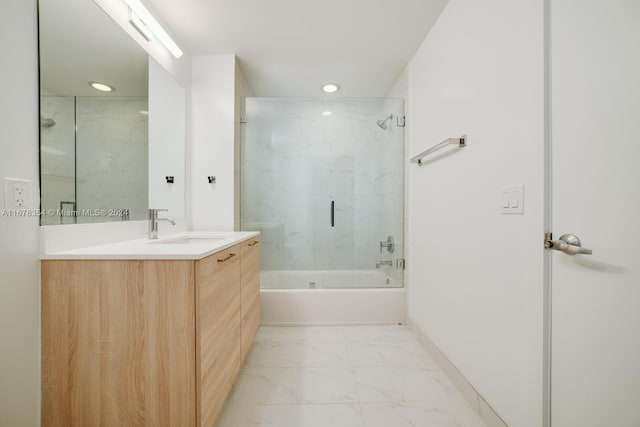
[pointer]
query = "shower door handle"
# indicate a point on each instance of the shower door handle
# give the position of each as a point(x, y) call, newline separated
point(333, 213)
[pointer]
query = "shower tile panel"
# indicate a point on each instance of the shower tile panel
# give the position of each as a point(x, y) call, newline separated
point(112, 155)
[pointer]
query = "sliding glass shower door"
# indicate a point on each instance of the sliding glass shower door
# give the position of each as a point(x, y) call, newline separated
point(324, 183)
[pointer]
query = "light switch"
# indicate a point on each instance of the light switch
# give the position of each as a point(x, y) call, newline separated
point(506, 200)
point(515, 199)
point(512, 200)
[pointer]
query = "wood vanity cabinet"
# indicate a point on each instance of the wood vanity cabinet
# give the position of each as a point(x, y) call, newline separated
point(146, 342)
point(227, 319)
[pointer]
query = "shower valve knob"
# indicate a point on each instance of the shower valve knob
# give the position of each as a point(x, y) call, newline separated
point(389, 245)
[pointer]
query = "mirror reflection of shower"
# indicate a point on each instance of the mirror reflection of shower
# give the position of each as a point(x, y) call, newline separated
point(382, 124)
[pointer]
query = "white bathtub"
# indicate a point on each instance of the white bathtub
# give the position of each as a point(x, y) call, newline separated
point(330, 298)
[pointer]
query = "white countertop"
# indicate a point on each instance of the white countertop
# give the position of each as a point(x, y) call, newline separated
point(169, 246)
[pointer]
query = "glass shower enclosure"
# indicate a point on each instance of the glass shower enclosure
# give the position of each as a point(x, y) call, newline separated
point(323, 181)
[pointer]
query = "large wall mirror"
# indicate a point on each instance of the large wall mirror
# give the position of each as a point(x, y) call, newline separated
point(105, 155)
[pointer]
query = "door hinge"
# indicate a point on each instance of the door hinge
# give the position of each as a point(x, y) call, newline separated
point(548, 237)
point(401, 263)
point(401, 121)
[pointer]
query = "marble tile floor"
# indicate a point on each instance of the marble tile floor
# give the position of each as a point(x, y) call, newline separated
point(343, 376)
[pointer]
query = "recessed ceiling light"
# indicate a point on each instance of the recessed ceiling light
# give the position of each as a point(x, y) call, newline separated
point(326, 113)
point(101, 87)
point(330, 88)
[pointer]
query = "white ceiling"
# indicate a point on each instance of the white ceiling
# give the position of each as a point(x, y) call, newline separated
point(292, 47)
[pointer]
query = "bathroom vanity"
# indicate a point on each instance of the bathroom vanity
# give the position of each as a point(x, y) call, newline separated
point(147, 333)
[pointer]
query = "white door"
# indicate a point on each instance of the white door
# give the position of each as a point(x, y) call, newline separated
point(595, 128)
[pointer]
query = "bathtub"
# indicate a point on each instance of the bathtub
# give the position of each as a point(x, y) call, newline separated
point(330, 298)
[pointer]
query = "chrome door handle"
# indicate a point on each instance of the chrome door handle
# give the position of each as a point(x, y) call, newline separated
point(569, 244)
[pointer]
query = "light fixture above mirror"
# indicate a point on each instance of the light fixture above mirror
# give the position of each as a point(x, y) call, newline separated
point(146, 23)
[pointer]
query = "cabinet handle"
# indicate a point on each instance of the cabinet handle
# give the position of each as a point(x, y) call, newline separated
point(255, 242)
point(227, 258)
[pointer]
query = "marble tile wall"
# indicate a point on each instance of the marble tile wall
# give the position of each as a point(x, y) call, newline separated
point(112, 156)
point(96, 154)
point(295, 161)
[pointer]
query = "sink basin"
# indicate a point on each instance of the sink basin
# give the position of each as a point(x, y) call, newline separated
point(193, 240)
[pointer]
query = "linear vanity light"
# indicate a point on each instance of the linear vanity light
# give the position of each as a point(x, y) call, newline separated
point(154, 26)
point(139, 25)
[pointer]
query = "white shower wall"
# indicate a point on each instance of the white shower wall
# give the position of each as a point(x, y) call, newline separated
point(295, 161)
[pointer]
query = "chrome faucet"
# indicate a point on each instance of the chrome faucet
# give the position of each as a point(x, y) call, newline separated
point(381, 263)
point(153, 222)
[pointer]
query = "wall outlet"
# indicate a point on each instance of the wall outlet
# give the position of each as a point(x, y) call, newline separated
point(17, 193)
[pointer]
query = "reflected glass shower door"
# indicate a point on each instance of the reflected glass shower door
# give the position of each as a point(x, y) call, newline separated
point(323, 181)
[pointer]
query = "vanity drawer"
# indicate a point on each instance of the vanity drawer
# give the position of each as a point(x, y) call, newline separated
point(249, 293)
point(217, 329)
point(218, 288)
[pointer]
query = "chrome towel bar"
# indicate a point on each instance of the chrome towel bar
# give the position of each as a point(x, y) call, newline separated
point(460, 142)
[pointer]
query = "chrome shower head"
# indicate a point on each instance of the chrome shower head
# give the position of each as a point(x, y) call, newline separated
point(382, 124)
point(47, 123)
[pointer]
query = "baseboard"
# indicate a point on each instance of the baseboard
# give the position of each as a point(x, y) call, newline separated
point(296, 324)
point(477, 402)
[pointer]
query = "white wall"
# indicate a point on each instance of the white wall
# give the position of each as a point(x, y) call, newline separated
point(475, 278)
point(19, 266)
point(167, 149)
point(213, 142)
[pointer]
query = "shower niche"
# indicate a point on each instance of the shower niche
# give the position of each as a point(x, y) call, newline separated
point(323, 181)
